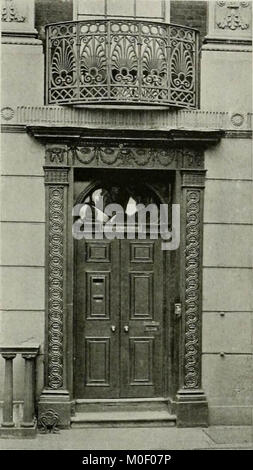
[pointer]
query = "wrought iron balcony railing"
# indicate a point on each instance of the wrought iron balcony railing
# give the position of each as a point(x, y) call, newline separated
point(123, 62)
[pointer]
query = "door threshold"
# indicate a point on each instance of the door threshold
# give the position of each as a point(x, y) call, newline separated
point(120, 400)
point(112, 418)
point(121, 405)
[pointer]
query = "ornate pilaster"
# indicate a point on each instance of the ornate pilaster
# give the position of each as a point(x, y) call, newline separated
point(191, 401)
point(55, 395)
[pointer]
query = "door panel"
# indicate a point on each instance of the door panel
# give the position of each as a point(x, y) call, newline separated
point(119, 319)
point(97, 301)
point(141, 318)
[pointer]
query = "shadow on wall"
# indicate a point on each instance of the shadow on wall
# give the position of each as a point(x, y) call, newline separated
point(48, 11)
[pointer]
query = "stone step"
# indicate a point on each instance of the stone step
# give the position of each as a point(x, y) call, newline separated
point(141, 418)
point(123, 404)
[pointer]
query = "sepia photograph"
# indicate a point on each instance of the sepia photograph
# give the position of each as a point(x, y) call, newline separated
point(126, 315)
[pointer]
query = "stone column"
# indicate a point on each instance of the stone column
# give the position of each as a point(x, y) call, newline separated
point(191, 402)
point(28, 417)
point(55, 396)
point(8, 391)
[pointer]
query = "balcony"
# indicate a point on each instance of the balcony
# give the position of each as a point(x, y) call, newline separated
point(124, 62)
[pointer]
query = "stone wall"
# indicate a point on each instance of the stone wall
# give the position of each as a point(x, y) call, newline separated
point(22, 255)
point(227, 283)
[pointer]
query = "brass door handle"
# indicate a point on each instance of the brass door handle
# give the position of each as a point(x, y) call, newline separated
point(126, 328)
point(113, 328)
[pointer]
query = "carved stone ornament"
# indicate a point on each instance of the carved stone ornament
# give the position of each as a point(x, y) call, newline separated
point(123, 156)
point(56, 155)
point(232, 15)
point(237, 119)
point(55, 281)
point(193, 179)
point(48, 422)
point(192, 286)
point(10, 12)
point(7, 113)
point(55, 175)
point(193, 159)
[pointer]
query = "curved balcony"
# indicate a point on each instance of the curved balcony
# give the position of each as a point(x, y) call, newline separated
point(122, 62)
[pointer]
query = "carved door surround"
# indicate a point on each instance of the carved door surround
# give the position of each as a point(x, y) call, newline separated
point(64, 154)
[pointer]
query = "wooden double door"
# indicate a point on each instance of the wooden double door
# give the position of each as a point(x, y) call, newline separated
point(119, 330)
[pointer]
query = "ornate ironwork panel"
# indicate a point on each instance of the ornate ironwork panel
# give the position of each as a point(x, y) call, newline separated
point(122, 61)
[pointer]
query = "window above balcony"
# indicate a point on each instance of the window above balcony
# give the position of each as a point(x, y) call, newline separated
point(122, 61)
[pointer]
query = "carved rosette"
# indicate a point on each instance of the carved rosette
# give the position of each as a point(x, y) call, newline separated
point(192, 286)
point(55, 180)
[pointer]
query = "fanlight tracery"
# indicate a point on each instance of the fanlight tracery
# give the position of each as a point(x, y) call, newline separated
point(139, 203)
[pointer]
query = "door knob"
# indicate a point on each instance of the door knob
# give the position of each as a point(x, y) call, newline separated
point(113, 328)
point(126, 328)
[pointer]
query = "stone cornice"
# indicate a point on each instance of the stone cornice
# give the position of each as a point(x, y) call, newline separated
point(78, 120)
point(72, 134)
point(20, 349)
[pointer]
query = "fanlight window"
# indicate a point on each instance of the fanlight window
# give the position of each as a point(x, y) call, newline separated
point(132, 200)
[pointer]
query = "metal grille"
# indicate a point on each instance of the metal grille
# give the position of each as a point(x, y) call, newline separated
point(122, 61)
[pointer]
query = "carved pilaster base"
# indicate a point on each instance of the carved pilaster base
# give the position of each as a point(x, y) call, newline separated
point(54, 410)
point(191, 408)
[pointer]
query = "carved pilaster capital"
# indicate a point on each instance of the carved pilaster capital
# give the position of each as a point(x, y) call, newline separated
point(8, 356)
point(193, 178)
point(56, 155)
point(193, 158)
point(55, 175)
point(29, 356)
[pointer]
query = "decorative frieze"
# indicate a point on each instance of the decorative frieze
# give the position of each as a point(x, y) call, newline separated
point(113, 119)
point(124, 156)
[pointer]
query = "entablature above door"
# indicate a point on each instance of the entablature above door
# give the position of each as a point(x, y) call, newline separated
point(129, 149)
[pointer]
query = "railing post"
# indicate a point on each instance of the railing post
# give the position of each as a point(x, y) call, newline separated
point(28, 416)
point(8, 391)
